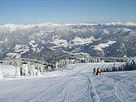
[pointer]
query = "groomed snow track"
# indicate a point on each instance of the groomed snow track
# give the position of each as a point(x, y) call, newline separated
point(76, 84)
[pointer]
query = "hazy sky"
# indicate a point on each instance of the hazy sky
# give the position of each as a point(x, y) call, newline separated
point(60, 11)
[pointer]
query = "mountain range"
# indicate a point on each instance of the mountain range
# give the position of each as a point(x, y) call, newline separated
point(49, 41)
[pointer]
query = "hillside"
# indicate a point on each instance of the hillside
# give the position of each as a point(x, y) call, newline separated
point(57, 41)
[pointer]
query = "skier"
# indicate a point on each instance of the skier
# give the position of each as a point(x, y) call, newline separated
point(98, 71)
point(94, 70)
point(107, 69)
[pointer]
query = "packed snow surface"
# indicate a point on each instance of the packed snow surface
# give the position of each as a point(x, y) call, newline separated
point(75, 83)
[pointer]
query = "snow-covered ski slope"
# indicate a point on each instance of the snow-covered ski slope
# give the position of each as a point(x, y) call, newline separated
point(76, 84)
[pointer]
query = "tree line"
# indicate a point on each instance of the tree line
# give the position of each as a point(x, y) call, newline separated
point(128, 66)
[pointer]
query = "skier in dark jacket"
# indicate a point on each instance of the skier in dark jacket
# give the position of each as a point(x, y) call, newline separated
point(94, 70)
point(107, 69)
point(98, 71)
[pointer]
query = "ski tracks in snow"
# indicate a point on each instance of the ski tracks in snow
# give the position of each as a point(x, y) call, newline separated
point(91, 90)
point(87, 91)
point(78, 87)
point(116, 87)
point(126, 90)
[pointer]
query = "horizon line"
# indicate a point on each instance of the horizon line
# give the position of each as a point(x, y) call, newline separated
point(91, 22)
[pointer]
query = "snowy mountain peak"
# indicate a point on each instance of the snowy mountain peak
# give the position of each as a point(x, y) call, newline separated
point(13, 27)
point(122, 23)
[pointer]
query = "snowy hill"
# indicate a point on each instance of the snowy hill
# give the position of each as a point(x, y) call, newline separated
point(76, 84)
